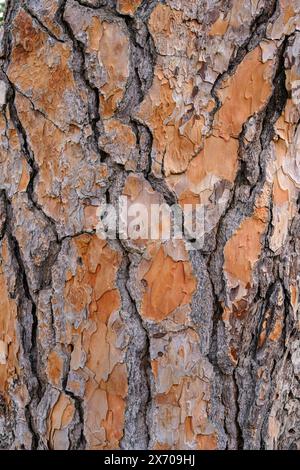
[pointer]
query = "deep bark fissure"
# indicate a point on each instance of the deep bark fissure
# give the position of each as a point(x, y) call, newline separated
point(268, 117)
point(141, 362)
point(32, 352)
point(93, 101)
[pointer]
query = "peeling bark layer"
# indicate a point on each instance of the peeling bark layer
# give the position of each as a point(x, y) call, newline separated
point(108, 344)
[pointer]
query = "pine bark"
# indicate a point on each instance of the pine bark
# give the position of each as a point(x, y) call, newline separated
point(108, 344)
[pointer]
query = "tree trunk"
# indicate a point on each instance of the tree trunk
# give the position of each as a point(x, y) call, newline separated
point(121, 342)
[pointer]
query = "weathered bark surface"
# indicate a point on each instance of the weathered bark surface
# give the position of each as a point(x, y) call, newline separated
point(111, 344)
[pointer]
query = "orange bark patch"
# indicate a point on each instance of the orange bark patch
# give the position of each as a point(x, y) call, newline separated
point(284, 174)
point(96, 351)
point(294, 297)
point(171, 397)
point(243, 249)
point(25, 176)
point(55, 368)
point(148, 219)
point(113, 53)
point(133, 186)
point(105, 410)
point(9, 345)
point(128, 7)
point(175, 139)
point(96, 412)
point(219, 28)
point(209, 442)
point(60, 418)
point(114, 422)
point(263, 334)
point(108, 303)
point(276, 331)
point(188, 197)
point(181, 393)
point(220, 157)
point(63, 166)
point(170, 284)
point(244, 93)
point(280, 196)
point(100, 261)
point(217, 161)
point(117, 388)
point(91, 219)
point(163, 21)
point(36, 66)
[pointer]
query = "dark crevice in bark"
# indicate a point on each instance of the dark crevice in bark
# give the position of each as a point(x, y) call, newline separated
point(93, 92)
point(268, 117)
point(100, 4)
point(3, 214)
point(139, 47)
point(273, 111)
point(239, 430)
point(142, 87)
point(78, 402)
point(135, 412)
point(261, 354)
point(7, 414)
point(276, 103)
point(32, 351)
point(138, 363)
point(138, 403)
point(55, 245)
point(11, 95)
point(38, 391)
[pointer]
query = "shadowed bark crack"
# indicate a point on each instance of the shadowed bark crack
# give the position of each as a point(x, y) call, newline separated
point(238, 208)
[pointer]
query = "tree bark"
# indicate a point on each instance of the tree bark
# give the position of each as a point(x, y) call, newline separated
point(136, 344)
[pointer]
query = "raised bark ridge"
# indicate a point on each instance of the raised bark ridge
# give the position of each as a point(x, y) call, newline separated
point(109, 344)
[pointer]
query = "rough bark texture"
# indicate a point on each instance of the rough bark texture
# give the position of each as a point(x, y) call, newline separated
point(111, 344)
